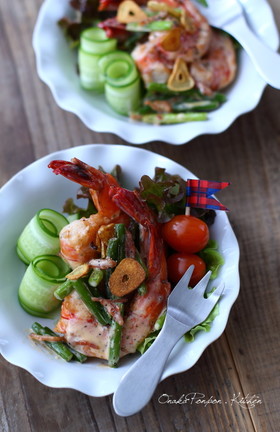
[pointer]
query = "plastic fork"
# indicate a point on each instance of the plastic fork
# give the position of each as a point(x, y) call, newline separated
point(228, 15)
point(185, 309)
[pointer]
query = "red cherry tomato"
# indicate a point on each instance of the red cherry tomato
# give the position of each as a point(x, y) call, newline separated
point(186, 234)
point(178, 264)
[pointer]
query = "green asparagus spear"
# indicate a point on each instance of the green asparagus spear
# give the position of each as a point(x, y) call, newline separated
point(95, 277)
point(120, 234)
point(160, 25)
point(142, 289)
point(204, 105)
point(116, 328)
point(115, 343)
point(63, 290)
point(94, 307)
point(81, 358)
point(64, 350)
point(59, 347)
point(112, 252)
point(162, 88)
point(173, 118)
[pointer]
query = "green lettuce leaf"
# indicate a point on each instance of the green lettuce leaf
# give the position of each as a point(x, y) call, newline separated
point(147, 342)
point(165, 194)
point(206, 324)
point(203, 2)
point(71, 208)
point(212, 257)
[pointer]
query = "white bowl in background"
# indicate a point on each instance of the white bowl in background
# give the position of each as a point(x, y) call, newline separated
point(56, 66)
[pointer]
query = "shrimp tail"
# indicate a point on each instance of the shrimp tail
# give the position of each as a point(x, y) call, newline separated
point(79, 172)
point(144, 308)
point(130, 202)
point(98, 182)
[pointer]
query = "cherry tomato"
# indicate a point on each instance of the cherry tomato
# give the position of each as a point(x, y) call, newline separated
point(178, 264)
point(186, 234)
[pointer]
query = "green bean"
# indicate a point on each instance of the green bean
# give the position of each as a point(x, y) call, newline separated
point(95, 308)
point(59, 347)
point(63, 290)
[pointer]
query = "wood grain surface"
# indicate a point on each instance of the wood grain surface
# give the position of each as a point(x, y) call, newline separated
point(244, 361)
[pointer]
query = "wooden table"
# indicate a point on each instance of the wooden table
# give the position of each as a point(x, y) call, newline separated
point(244, 362)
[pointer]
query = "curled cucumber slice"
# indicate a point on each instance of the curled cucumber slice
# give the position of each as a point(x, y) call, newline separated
point(41, 235)
point(42, 277)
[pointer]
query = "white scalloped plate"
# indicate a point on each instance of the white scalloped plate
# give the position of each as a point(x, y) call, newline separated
point(56, 67)
point(36, 187)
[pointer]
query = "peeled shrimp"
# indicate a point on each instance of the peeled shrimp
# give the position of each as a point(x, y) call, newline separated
point(155, 63)
point(209, 54)
point(217, 69)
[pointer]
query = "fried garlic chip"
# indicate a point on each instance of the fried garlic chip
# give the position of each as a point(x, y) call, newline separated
point(187, 22)
point(163, 7)
point(104, 233)
point(180, 78)
point(172, 40)
point(126, 277)
point(79, 272)
point(129, 12)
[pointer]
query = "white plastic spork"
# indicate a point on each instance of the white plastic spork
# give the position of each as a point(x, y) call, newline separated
point(185, 309)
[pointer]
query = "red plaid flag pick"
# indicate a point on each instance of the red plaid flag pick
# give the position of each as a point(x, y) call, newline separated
point(199, 194)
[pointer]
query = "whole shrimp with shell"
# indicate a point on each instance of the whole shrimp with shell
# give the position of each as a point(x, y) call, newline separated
point(78, 240)
point(80, 328)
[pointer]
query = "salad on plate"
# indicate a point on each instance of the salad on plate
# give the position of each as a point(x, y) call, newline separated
point(157, 62)
point(108, 268)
